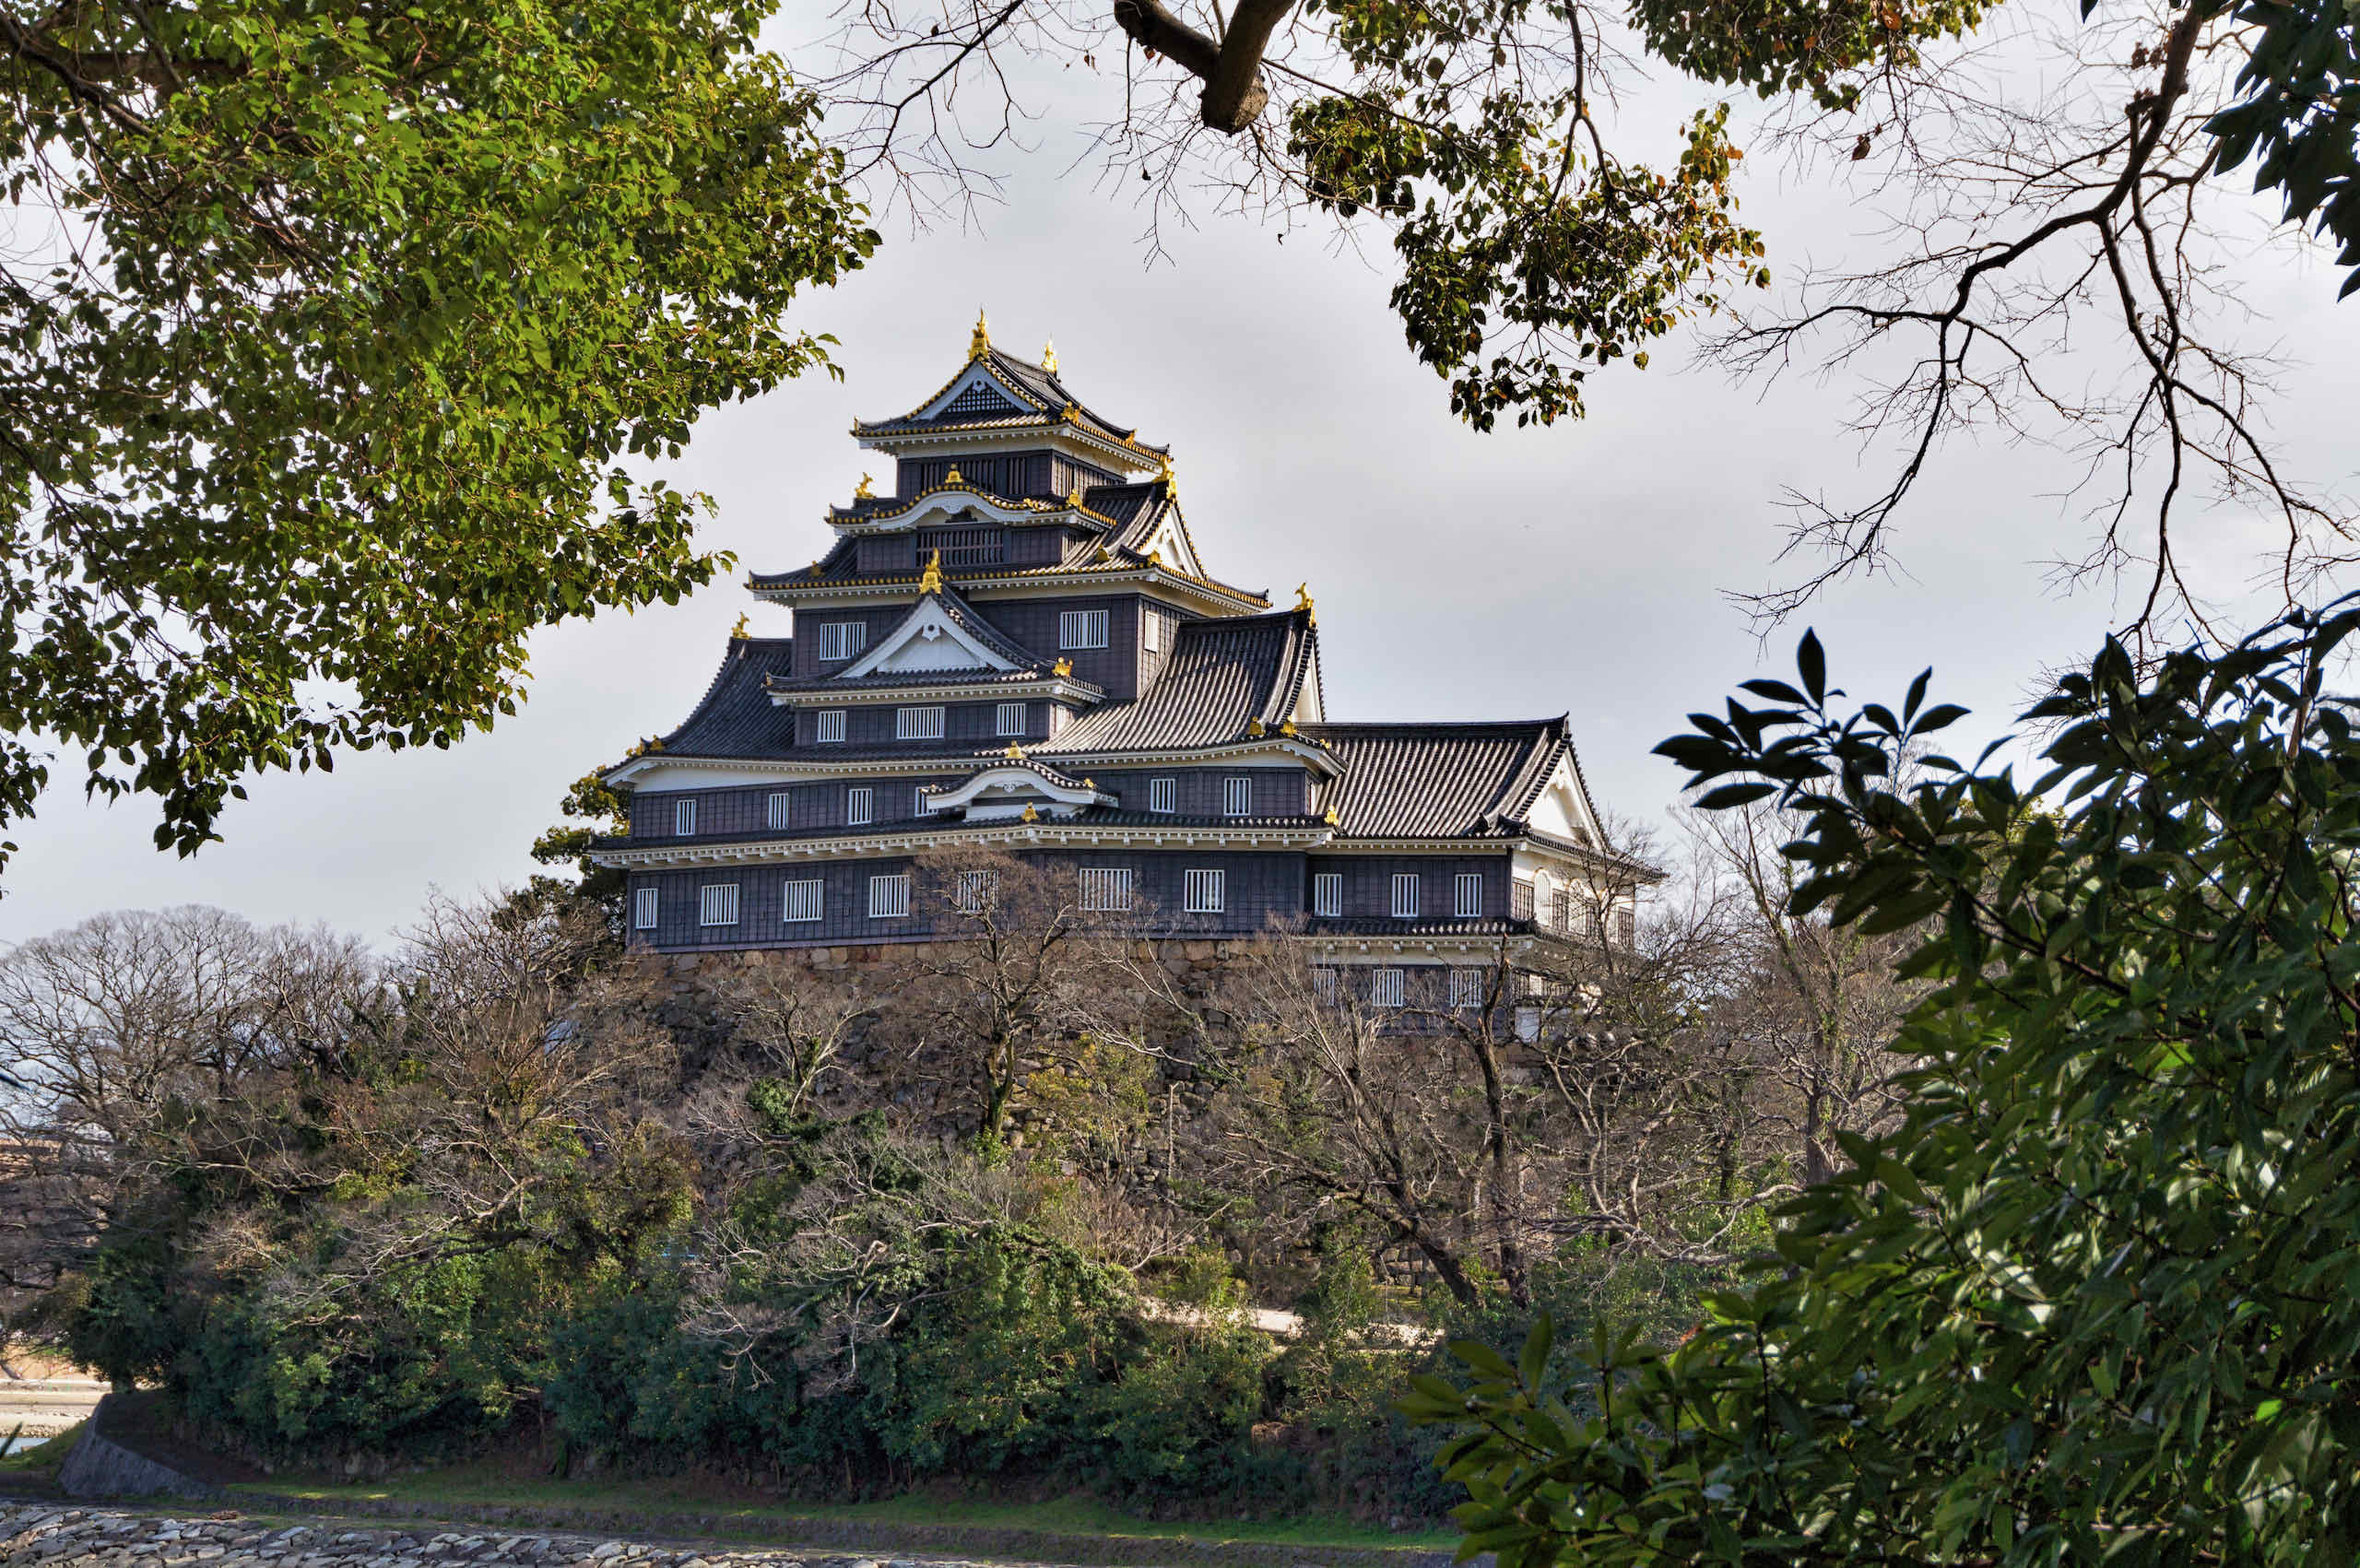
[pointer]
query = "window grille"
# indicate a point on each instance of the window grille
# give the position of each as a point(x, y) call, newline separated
point(1323, 987)
point(1206, 891)
point(827, 725)
point(981, 400)
point(1627, 926)
point(1162, 795)
point(889, 896)
point(1011, 718)
point(1466, 988)
point(1405, 895)
point(684, 817)
point(1387, 988)
point(1151, 632)
point(1520, 900)
point(778, 810)
point(860, 805)
point(1467, 895)
point(804, 900)
point(717, 904)
point(1082, 629)
point(841, 639)
point(644, 909)
point(1105, 887)
point(969, 547)
point(1561, 909)
point(1327, 892)
point(1238, 798)
point(917, 724)
point(974, 890)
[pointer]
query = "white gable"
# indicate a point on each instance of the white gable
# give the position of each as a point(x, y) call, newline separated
point(1560, 809)
point(985, 397)
point(929, 640)
point(1171, 541)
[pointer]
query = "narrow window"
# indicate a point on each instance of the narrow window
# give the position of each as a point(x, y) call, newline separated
point(1405, 895)
point(1467, 895)
point(1561, 909)
point(1520, 900)
point(889, 896)
point(803, 899)
point(1237, 796)
point(917, 801)
point(684, 817)
point(778, 810)
point(1327, 892)
point(1082, 629)
point(717, 904)
point(1206, 891)
point(974, 891)
point(917, 724)
point(1627, 926)
point(1011, 718)
point(1151, 632)
point(1105, 887)
point(860, 805)
point(644, 909)
point(1162, 795)
point(841, 639)
point(1323, 987)
point(828, 726)
point(1387, 988)
point(1466, 988)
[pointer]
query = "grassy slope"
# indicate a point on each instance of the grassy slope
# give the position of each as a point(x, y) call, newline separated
point(41, 1455)
point(479, 1485)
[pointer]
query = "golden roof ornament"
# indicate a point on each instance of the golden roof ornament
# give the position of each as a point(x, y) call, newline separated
point(1170, 481)
point(655, 743)
point(1089, 784)
point(1303, 603)
point(1049, 356)
point(930, 580)
point(1014, 753)
point(1155, 557)
point(1030, 815)
point(1329, 817)
point(1255, 726)
point(1071, 413)
point(980, 343)
point(1103, 555)
point(862, 491)
point(1073, 497)
point(1286, 727)
point(1063, 667)
point(738, 633)
point(954, 476)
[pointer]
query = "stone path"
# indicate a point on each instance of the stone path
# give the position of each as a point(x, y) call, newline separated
point(41, 1535)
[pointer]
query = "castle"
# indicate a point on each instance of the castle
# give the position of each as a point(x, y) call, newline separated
point(1020, 648)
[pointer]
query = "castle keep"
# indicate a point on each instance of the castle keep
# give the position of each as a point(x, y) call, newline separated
point(1020, 649)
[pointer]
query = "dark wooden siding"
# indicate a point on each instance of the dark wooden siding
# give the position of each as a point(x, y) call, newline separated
point(1278, 792)
point(1368, 882)
point(807, 634)
point(1033, 624)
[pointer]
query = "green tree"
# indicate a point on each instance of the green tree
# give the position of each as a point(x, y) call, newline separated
point(2094, 1300)
point(590, 810)
point(320, 387)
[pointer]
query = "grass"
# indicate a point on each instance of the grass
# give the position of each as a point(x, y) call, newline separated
point(41, 1455)
point(482, 1485)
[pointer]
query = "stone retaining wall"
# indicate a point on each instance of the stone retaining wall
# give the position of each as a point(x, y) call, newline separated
point(98, 1467)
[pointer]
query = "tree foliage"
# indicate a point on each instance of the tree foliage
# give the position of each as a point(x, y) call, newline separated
point(334, 334)
point(2094, 1300)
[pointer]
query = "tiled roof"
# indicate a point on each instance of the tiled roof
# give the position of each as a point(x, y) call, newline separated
point(1438, 781)
point(1221, 674)
point(1380, 925)
point(1046, 393)
point(900, 679)
point(1089, 816)
point(963, 615)
point(736, 719)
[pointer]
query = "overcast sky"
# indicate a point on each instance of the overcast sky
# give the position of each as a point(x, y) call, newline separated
point(1580, 569)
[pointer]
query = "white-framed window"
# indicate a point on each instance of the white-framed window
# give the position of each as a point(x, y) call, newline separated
point(889, 896)
point(684, 817)
point(779, 809)
point(841, 639)
point(828, 726)
point(1164, 795)
point(643, 909)
point(1627, 926)
point(1105, 887)
point(1327, 892)
point(1467, 988)
point(1520, 899)
point(1323, 987)
point(1237, 796)
point(717, 904)
point(1405, 895)
point(1206, 891)
point(804, 900)
point(973, 891)
point(1082, 629)
point(1387, 988)
point(1561, 909)
point(860, 805)
point(917, 724)
point(1151, 632)
point(1467, 895)
point(1011, 719)
point(917, 801)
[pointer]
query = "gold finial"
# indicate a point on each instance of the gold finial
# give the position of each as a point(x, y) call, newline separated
point(1103, 555)
point(655, 743)
point(1073, 497)
point(1063, 667)
point(931, 581)
point(1286, 727)
point(1155, 558)
point(1170, 481)
point(954, 476)
point(1329, 817)
point(738, 633)
point(861, 491)
point(1014, 753)
point(1030, 815)
point(1303, 602)
point(1255, 726)
point(1071, 413)
point(1089, 784)
point(980, 343)
point(1049, 357)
